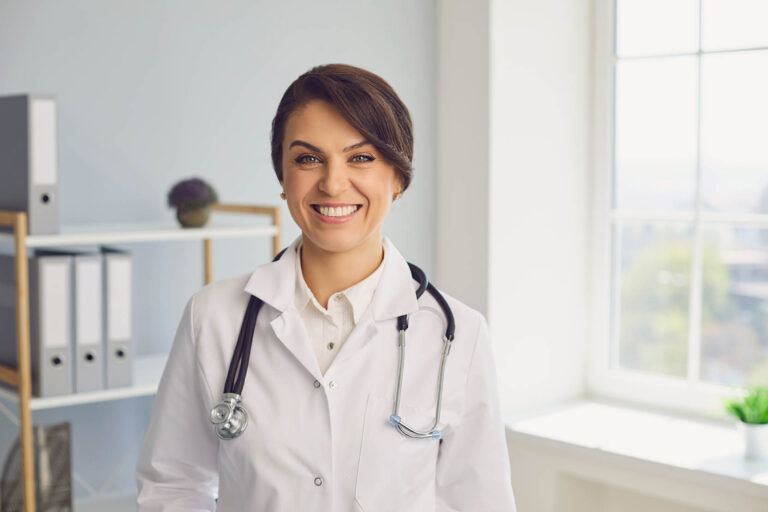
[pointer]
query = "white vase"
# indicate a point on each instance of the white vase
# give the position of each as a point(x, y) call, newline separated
point(755, 440)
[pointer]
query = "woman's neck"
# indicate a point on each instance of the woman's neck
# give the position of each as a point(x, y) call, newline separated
point(329, 272)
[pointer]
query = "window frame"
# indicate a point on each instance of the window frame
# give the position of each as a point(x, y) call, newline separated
point(686, 395)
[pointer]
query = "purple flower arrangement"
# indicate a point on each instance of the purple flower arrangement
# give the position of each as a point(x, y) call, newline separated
point(191, 194)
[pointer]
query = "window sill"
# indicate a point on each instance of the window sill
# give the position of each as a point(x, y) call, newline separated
point(698, 451)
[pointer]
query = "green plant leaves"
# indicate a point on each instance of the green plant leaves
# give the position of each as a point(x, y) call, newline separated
point(752, 408)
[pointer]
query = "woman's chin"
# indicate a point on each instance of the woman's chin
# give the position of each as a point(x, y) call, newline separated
point(336, 241)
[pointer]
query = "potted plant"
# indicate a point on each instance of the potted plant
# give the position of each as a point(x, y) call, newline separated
point(192, 199)
point(752, 413)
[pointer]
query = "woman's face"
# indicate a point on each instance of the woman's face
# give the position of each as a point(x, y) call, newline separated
point(337, 185)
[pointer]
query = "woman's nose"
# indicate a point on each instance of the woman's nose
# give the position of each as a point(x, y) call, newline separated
point(334, 179)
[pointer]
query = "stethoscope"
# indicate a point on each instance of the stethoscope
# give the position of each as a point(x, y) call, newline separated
point(229, 417)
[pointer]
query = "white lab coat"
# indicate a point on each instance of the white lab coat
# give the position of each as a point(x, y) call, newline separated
point(319, 442)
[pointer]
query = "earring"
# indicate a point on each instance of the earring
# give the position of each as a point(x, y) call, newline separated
point(282, 194)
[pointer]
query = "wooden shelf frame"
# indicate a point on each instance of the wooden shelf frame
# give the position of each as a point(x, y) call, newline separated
point(21, 376)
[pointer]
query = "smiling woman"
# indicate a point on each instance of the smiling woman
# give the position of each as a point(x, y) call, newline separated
point(323, 371)
point(342, 146)
point(339, 189)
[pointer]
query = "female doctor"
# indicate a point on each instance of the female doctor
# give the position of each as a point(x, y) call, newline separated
point(321, 430)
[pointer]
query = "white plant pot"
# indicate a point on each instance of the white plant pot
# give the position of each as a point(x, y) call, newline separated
point(755, 440)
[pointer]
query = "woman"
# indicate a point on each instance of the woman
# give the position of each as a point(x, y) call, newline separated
point(322, 373)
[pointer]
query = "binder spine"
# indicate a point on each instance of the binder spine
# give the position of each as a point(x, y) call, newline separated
point(29, 163)
point(89, 344)
point(50, 326)
point(118, 317)
point(51, 285)
point(43, 202)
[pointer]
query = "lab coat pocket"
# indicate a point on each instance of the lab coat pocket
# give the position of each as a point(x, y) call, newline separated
point(395, 472)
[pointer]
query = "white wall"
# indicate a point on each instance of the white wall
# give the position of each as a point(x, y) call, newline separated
point(539, 183)
point(513, 137)
point(152, 92)
point(462, 150)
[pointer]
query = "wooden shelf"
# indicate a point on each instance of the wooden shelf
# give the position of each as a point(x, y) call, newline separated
point(144, 232)
point(16, 383)
point(146, 375)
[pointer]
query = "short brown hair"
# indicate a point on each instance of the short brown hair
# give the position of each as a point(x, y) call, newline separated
point(365, 100)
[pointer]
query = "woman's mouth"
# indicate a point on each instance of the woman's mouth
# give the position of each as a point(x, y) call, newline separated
point(336, 214)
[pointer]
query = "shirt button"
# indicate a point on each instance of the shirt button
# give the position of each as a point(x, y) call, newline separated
point(332, 384)
point(339, 298)
point(330, 346)
point(316, 384)
point(318, 481)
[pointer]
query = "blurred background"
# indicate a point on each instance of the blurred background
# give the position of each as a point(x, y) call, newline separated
point(592, 175)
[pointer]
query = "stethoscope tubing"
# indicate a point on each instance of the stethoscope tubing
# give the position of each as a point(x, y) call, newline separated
point(231, 419)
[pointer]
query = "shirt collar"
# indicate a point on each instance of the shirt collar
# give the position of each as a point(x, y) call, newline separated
point(274, 283)
point(359, 294)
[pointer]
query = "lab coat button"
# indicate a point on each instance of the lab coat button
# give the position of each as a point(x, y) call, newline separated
point(332, 384)
point(318, 481)
point(316, 384)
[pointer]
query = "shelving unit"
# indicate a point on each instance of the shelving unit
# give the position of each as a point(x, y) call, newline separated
point(147, 369)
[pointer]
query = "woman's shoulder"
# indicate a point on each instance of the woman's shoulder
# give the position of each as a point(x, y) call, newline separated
point(459, 307)
point(224, 294)
point(468, 320)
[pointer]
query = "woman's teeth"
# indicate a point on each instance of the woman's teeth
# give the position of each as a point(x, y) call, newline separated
point(338, 211)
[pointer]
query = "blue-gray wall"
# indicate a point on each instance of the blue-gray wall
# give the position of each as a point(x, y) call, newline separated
point(152, 92)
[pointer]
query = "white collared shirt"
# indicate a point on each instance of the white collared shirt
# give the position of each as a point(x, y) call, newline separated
point(329, 328)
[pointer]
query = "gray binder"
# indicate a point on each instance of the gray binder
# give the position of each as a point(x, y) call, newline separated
point(50, 305)
point(118, 316)
point(28, 160)
point(89, 335)
point(87, 332)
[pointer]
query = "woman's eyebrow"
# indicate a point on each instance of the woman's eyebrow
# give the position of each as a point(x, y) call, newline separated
point(315, 148)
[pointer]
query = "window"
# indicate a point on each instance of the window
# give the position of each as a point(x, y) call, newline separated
point(683, 153)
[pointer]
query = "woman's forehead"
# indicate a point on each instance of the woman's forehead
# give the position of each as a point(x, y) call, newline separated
point(320, 124)
point(314, 113)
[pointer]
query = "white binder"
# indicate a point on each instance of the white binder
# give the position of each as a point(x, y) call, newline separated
point(50, 301)
point(118, 317)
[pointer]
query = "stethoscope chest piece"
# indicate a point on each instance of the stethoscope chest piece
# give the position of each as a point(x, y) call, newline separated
point(234, 426)
point(228, 417)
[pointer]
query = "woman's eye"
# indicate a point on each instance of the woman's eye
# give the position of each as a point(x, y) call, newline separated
point(312, 159)
point(303, 159)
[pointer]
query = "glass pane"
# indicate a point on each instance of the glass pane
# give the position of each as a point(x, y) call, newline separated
point(734, 330)
point(729, 24)
point(734, 152)
point(653, 298)
point(656, 111)
point(653, 27)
